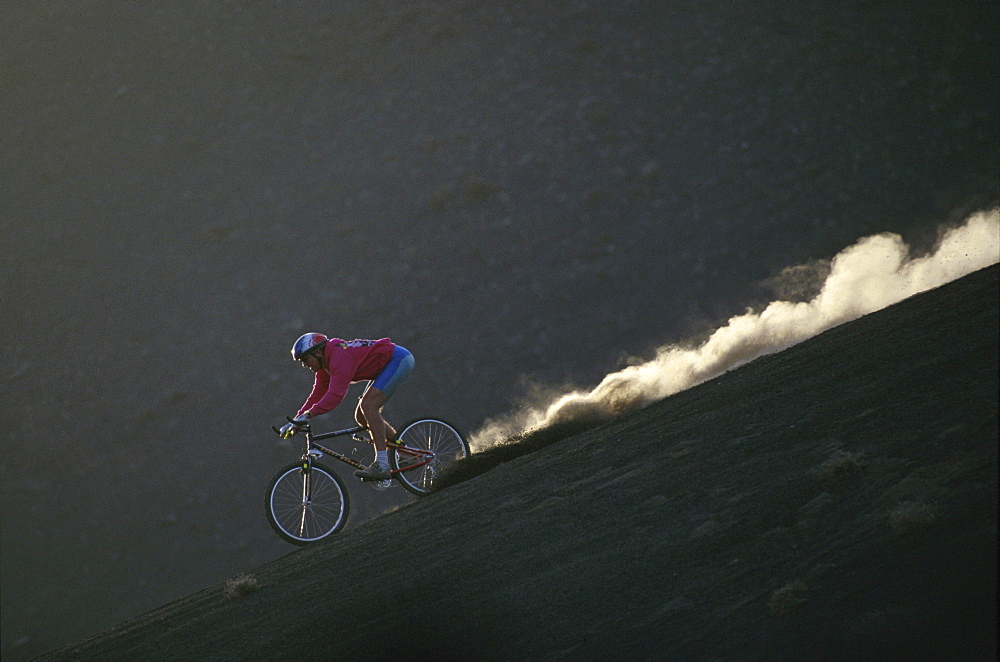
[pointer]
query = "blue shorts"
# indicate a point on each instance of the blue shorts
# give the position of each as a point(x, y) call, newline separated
point(395, 373)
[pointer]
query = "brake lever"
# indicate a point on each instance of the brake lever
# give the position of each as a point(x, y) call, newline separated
point(302, 427)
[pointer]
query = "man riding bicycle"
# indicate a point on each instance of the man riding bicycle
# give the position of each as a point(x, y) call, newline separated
point(337, 364)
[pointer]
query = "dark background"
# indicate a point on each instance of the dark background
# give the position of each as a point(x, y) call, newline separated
point(517, 192)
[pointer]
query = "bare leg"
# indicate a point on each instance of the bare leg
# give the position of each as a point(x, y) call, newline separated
point(369, 412)
point(359, 416)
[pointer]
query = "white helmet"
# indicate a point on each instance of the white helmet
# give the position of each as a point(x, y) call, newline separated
point(307, 344)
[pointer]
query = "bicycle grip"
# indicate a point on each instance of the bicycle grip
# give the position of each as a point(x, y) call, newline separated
point(301, 427)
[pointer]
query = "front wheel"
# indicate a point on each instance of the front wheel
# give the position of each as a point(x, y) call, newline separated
point(429, 445)
point(306, 502)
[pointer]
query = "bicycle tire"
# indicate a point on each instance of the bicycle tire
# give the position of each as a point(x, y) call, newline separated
point(301, 521)
point(428, 434)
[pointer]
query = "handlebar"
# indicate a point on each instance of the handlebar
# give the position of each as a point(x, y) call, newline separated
point(302, 428)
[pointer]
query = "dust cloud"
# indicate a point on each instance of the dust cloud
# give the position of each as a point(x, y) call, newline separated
point(876, 272)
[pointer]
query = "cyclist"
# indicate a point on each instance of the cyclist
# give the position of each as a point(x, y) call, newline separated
point(339, 363)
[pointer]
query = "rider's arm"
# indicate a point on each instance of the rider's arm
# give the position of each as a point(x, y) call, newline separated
point(320, 386)
point(338, 382)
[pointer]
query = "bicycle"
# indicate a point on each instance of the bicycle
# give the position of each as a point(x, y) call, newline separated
point(306, 501)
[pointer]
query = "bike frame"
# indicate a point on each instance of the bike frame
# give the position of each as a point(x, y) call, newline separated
point(307, 500)
point(311, 439)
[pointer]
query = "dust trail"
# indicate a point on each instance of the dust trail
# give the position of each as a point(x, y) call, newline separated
point(875, 272)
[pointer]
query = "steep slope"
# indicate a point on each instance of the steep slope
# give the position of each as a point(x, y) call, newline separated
point(185, 187)
point(838, 498)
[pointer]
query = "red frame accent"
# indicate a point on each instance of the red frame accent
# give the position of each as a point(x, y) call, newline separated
point(415, 452)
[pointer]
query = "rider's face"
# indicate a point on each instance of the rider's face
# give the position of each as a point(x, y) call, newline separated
point(311, 361)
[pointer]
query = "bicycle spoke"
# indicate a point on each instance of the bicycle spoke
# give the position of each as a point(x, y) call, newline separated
point(306, 506)
point(430, 445)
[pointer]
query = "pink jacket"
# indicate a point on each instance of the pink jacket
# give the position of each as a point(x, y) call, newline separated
point(345, 362)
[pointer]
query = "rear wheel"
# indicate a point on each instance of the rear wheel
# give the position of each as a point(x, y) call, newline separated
point(306, 503)
point(435, 444)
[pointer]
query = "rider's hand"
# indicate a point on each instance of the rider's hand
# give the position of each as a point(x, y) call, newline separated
point(289, 429)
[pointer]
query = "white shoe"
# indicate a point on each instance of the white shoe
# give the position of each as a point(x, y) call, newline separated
point(374, 472)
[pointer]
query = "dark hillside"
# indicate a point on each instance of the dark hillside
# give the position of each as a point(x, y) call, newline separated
point(522, 192)
point(834, 501)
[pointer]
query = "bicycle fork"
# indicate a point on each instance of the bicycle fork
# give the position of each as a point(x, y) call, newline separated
point(306, 494)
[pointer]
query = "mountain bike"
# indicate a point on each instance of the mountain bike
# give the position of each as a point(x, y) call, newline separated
point(306, 501)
